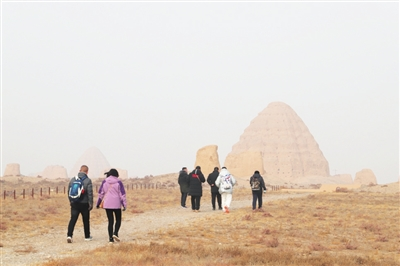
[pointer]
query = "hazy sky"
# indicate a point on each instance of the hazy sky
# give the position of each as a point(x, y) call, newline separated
point(151, 83)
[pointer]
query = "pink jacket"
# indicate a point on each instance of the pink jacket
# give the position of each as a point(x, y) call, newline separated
point(113, 192)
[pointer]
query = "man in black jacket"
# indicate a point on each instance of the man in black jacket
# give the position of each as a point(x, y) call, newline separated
point(214, 189)
point(183, 180)
point(257, 186)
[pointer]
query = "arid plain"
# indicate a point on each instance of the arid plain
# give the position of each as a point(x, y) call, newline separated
point(295, 227)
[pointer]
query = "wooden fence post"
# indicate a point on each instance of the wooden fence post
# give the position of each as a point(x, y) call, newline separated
point(64, 189)
point(33, 192)
point(23, 193)
point(4, 194)
point(49, 191)
point(57, 190)
point(14, 195)
point(41, 192)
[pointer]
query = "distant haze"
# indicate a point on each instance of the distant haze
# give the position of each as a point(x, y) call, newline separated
point(149, 84)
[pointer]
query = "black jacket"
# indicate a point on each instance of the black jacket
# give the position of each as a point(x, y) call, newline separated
point(183, 181)
point(196, 178)
point(261, 179)
point(211, 180)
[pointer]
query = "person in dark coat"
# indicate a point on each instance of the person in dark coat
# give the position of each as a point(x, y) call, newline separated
point(196, 178)
point(257, 186)
point(183, 180)
point(214, 189)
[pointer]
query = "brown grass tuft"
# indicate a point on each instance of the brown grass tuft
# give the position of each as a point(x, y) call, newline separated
point(272, 243)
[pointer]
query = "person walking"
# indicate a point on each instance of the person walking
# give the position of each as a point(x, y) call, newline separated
point(82, 203)
point(257, 186)
point(113, 196)
point(212, 177)
point(196, 178)
point(183, 181)
point(225, 182)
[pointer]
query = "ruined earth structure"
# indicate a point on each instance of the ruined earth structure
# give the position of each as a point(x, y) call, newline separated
point(365, 177)
point(95, 160)
point(245, 163)
point(207, 159)
point(12, 169)
point(54, 172)
point(285, 145)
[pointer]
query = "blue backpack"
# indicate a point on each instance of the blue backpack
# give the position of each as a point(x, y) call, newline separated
point(76, 190)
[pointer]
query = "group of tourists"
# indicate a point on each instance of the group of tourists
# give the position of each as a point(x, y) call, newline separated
point(221, 184)
point(112, 196)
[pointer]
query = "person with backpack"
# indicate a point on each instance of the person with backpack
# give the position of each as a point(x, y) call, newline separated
point(257, 186)
point(112, 197)
point(183, 180)
point(212, 177)
point(80, 195)
point(225, 182)
point(196, 178)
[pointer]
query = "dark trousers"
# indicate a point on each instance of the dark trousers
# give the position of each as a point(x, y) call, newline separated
point(183, 199)
point(218, 196)
point(110, 215)
point(76, 209)
point(196, 202)
point(257, 195)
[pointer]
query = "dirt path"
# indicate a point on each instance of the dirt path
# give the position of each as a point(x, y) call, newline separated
point(33, 250)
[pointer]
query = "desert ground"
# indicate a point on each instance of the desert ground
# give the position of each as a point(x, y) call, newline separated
point(357, 226)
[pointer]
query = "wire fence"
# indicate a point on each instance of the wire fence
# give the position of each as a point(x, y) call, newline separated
point(48, 191)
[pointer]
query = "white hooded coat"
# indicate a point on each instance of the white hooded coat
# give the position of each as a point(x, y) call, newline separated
point(225, 182)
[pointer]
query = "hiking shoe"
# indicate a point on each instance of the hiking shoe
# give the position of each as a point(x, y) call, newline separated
point(69, 239)
point(89, 238)
point(111, 241)
point(226, 209)
point(184, 207)
point(116, 238)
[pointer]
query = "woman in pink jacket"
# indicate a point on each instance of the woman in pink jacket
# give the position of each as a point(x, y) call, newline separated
point(112, 193)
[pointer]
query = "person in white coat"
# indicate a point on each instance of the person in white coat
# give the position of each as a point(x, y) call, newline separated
point(225, 183)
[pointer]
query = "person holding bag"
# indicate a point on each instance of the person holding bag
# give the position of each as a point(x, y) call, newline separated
point(112, 197)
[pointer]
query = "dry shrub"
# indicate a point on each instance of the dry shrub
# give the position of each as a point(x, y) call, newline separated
point(1, 245)
point(26, 249)
point(51, 210)
point(247, 217)
point(371, 227)
point(350, 246)
point(317, 247)
point(136, 211)
point(267, 214)
point(266, 232)
point(342, 189)
point(272, 243)
point(381, 239)
point(3, 226)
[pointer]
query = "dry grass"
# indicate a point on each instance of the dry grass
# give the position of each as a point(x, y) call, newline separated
point(323, 229)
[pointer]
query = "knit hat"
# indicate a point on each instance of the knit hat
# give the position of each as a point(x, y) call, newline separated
point(216, 168)
point(257, 172)
point(112, 172)
point(198, 167)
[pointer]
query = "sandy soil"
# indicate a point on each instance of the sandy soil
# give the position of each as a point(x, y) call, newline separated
point(24, 249)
